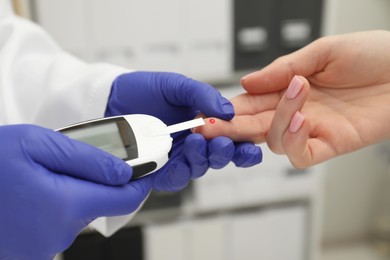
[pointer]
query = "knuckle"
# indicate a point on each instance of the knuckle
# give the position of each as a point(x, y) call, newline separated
point(299, 164)
point(274, 146)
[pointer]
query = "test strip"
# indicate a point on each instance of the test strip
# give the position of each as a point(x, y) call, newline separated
point(183, 126)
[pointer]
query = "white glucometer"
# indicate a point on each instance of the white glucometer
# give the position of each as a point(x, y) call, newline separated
point(143, 141)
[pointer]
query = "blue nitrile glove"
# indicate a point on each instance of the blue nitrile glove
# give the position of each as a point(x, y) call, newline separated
point(174, 98)
point(51, 187)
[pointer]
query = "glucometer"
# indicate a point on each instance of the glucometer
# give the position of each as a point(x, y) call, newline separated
point(143, 141)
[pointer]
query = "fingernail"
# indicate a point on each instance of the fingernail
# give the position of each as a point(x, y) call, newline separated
point(248, 76)
point(296, 122)
point(294, 88)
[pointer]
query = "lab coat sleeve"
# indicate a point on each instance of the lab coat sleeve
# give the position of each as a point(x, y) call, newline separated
point(42, 84)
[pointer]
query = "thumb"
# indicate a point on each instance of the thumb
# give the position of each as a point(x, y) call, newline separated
point(101, 200)
point(208, 100)
point(61, 154)
point(196, 94)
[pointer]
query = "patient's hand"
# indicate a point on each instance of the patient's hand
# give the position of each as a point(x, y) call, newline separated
point(341, 102)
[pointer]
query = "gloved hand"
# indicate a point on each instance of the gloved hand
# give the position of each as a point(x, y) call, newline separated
point(174, 98)
point(51, 187)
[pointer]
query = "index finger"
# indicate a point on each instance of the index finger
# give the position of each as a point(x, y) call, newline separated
point(252, 121)
point(251, 104)
point(242, 128)
point(185, 91)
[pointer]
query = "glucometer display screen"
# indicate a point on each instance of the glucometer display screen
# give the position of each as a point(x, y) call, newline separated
point(114, 136)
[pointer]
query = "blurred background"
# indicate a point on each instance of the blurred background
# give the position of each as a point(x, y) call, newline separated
point(336, 210)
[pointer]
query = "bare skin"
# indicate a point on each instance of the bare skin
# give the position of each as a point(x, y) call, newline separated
point(339, 103)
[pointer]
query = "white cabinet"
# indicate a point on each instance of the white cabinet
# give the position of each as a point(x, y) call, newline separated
point(276, 233)
point(208, 39)
point(192, 37)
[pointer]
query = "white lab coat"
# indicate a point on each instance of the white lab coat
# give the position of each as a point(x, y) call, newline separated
point(42, 84)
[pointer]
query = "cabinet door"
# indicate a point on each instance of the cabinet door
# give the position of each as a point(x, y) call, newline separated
point(112, 27)
point(159, 26)
point(255, 33)
point(208, 35)
point(276, 234)
point(300, 23)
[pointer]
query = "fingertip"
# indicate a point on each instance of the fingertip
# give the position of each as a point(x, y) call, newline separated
point(306, 83)
point(228, 110)
point(195, 149)
point(247, 155)
point(221, 151)
point(195, 154)
point(223, 109)
point(247, 77)
point(195, 143)
point(143, 185)
point(195, 139)
point(112, 171)
point(174, 177)
point(295, 145)
point(207, 99)
point(124, 172)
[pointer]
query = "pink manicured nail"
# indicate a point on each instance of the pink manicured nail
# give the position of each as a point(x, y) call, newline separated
point(294, 88)
point(296, 122)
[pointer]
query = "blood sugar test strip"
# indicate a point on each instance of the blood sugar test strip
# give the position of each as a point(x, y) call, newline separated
point(182, 126)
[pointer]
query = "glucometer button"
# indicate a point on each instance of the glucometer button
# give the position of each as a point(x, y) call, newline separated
point(142, 169)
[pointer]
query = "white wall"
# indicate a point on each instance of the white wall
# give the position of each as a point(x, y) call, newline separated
point(354, 186)
point(171, 35)
point(343, 16)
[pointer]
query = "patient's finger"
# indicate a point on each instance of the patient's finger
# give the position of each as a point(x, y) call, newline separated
point(250, 104)
point(292, 101)
point(304, 151)
point(276, 76)
point(253, 128)
point(295, 142)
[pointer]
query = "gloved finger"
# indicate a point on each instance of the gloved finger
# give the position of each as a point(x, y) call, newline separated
point(96, 200)
point(174, 176)
point(61, 154)
point(195, 153)
point(247, 155)
point(220, 152)
point(292, 101)
point(183, 91)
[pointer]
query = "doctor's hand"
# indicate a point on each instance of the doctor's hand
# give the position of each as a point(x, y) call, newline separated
point(51, 187)
point(174, 98)
point(341, 104)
